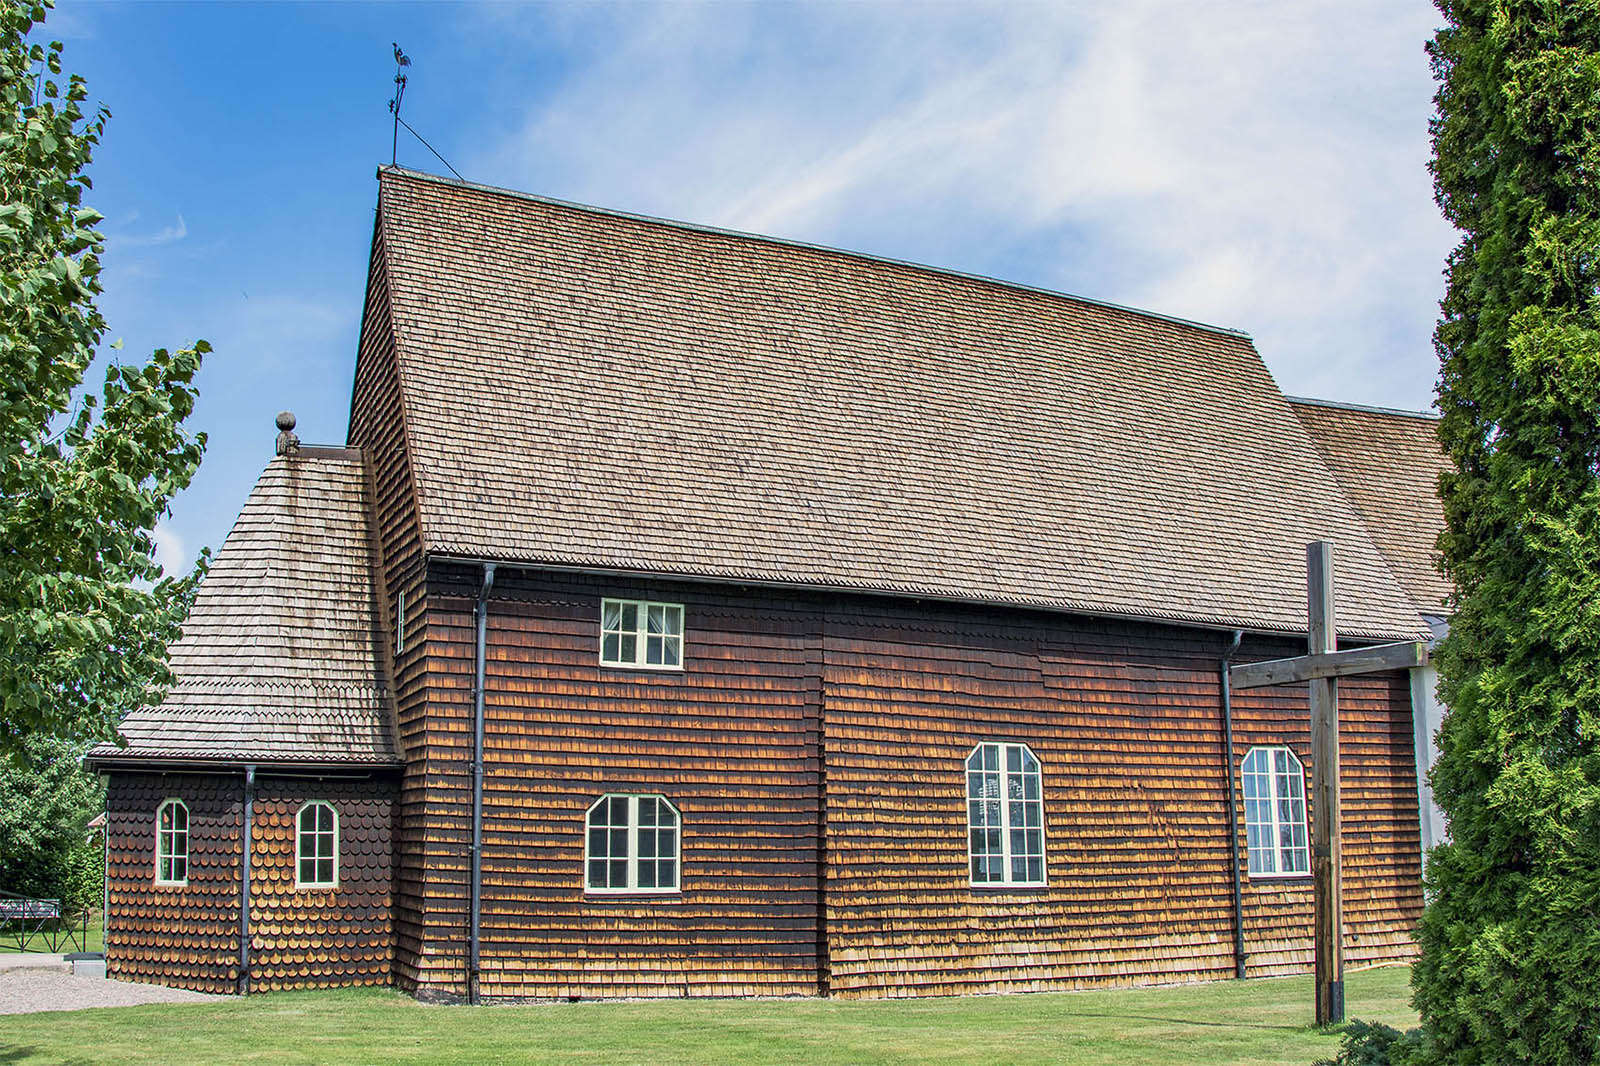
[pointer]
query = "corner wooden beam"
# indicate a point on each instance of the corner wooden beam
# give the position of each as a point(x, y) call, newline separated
point(1402, 656)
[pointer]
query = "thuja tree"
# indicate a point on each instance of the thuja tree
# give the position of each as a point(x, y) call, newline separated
point(85, 614)
point(1510, 962)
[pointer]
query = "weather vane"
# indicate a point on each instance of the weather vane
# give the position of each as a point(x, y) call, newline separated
point(401, 62)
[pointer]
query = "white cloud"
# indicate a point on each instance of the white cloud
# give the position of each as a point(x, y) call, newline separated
point(1253, 165)
point(171, 553)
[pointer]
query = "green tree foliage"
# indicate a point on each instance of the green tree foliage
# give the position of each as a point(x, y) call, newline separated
point(46, 801)
point(1510, 964)
point(85, 614)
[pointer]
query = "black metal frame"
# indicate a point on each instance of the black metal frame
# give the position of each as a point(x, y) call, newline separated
point(24, 921)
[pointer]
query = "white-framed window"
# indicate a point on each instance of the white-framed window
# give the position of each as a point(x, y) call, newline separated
point(1005, 815)
point(631, 845)
point(172, 843)
point(641, 634)
point(316, 846)
point(400, 623)
point(1275, 812)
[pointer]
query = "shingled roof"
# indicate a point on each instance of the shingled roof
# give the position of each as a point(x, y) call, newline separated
point(281, 656)
point(587, 388)
point(1389, 464)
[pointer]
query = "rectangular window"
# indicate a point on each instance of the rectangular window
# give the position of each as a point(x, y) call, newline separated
point(641, 634)
point(1005, 816)
point(400, 623)
point(317, 846)
point(632, 845)
point(1275, 813)
point(172, 843)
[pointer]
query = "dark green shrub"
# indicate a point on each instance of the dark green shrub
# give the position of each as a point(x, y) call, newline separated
point(1376, 1044)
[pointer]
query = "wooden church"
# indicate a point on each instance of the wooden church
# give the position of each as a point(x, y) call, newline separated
point(693, 613)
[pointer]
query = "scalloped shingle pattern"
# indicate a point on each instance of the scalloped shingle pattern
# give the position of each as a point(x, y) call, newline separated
point(593, 389)
point(281, 655)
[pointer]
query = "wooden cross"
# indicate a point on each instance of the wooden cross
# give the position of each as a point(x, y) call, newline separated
point(1322, 666)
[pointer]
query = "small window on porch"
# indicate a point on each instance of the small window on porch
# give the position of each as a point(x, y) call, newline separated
point(172, 843)
point(316, 846)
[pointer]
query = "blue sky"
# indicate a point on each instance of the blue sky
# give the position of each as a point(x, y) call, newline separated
point(1256, 165)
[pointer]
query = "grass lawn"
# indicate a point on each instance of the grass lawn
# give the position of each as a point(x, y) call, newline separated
point(1256, 1022)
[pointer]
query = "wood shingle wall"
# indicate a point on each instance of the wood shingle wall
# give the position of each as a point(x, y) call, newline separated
point(1382, 843)
point(881, 700)
point(318, 938)
point(188, 936)
point(377, 426)
point(730, 741)
point(185, 936)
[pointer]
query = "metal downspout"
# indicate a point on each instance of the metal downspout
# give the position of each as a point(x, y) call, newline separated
point(244, 880)
point(105, 879)
point(1233, 814)
point(476, 904)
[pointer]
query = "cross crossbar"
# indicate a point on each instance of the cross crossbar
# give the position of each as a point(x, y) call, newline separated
point(1401, 656)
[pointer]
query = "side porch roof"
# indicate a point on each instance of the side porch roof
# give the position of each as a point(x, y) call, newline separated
point(282, 659)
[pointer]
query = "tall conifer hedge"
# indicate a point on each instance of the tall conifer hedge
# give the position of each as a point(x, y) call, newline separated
point(1510, 964)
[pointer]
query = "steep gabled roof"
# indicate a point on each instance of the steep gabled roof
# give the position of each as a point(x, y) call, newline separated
point(593, 389)
point(281, 659)
point(1389, 464)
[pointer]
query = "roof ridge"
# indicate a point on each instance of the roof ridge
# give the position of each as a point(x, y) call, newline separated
point(788, 242)
point(1312, 401)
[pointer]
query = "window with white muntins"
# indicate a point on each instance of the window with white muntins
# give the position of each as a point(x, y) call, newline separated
point(1275, 812)
point(316, 851)
point(631, 845)
point(1005, 816)
point(641, 634)
point(172, 843)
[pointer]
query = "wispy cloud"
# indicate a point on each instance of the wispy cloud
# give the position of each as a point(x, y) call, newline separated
point(1253, 165)
point(165, 235)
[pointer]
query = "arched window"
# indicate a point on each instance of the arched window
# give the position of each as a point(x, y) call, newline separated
point(1005, 816)
point(1275, 812)
point(172, 843)
point(316, 851)
point(631, 845)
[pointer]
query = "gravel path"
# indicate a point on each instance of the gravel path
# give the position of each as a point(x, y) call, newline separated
point(27, 991)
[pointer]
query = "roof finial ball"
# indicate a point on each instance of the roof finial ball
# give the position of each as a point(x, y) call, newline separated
point(288, 443)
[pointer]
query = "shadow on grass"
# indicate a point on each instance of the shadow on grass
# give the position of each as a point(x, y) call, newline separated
point(1120, 1016)
point(10, 1053)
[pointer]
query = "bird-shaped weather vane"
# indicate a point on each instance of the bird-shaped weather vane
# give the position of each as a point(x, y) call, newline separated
point(401, 62)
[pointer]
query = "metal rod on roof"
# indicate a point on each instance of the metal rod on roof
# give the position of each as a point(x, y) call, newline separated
point(430, 148)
